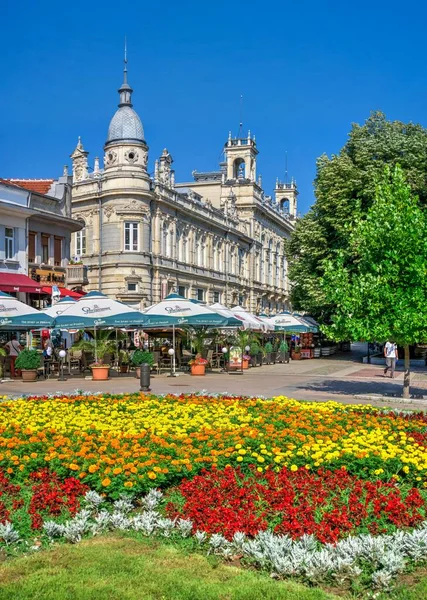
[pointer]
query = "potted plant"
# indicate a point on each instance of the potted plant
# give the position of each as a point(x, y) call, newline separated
point(99, 347)
point(28, 361)
point(268, 348)
point(198, 365)
point(284, 352)
point(141, 357)
point(296, 354)
point(274, 352)
point(245, 361)
point(254, 351)
point(124, 361)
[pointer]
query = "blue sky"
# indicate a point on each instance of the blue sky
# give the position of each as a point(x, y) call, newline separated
point(306, 70)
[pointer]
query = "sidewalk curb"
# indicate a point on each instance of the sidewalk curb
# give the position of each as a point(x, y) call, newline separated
point(422, 402)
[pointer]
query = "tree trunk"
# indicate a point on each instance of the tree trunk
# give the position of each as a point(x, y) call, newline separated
point(406, 376)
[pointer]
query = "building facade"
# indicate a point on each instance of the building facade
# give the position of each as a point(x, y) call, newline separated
point(35, 238)
point(218, 238)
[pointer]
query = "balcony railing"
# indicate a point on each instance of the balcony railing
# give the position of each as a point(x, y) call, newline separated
point(77, 275)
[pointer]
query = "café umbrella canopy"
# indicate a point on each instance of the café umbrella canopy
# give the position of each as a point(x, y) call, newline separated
point(95, 310)
point(232, 319)
point(182, 311)
point(17, 315)
point(287, 322)
point(56, 309)
point(250, 321)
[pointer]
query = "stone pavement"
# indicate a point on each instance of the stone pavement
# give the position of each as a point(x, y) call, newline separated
point(342, 378)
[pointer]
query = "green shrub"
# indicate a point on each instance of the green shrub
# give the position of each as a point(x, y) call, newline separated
point(284, 347)
point(28, 360)
point(142, 357)
point(268, 347)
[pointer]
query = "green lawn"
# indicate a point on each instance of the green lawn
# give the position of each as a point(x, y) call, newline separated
point(125, 568)
point(118, 568)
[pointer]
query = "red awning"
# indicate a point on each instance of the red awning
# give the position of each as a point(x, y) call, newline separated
point(63, 292)
point(12, 282)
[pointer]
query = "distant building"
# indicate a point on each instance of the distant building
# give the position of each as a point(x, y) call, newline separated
point(35, 237)
point(218, 238)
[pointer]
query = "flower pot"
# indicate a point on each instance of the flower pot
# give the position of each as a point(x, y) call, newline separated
point(259, 360)
point(29, 374)
point(138, 372)
point(198, 369)
point(274, 357)
point(245, 364)
point(296, 355)
point(268, 358)
point(253, 361)
point(100, 373)
point(124, 368)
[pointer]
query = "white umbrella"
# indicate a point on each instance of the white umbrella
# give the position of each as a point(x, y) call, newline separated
point(181, 311)
point(61, 306)
point(251, 321)
point(287, 322)
point(17, 315)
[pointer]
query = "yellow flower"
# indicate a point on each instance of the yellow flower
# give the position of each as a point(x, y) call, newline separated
point(239, 458)
point(294, 468)
point(128, 484)
point(74, 467)
point(151, 475)
point(106, 482)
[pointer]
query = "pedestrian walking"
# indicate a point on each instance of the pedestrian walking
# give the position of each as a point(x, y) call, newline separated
point(390, 353)
point(14, 348)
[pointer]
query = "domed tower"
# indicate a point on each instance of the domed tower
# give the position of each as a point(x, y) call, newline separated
point(125, 148)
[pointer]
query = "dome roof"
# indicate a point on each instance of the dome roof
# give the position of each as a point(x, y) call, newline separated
point(125, 125)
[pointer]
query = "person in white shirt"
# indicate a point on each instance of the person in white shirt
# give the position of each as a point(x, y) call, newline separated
point(390, 353)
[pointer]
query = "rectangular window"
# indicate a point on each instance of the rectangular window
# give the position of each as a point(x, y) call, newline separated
point(45, 248)
point(81, 242)
point(200, 294)
point(9, 243)
point(241, 300)
point(57, 251)
point(216, 297)
point(132, 287)
point(31, 247)
point(182, 291)
point(131, 237)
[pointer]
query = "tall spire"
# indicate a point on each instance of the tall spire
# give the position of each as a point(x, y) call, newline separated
point(125, 71)
point(125, 90)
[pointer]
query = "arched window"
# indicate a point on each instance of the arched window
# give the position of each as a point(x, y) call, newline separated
point(284, 205)
point(81, 240)
point(239, 169)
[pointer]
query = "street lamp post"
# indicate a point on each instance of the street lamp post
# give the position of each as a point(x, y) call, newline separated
point(62, 355)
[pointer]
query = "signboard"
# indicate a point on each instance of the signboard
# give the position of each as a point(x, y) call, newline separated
point(235, 357)
point(48, 277)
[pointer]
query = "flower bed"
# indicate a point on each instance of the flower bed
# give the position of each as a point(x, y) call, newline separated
point(134, 442)
point(300, 488)
point(327, 504)
point(43, 496)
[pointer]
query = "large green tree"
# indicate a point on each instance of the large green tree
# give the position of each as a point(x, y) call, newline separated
point(344, 189)
point(378, 286)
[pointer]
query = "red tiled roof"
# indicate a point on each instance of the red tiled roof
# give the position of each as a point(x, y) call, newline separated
point(41, 186)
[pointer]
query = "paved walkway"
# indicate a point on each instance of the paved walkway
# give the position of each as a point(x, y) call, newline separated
point(342, 378)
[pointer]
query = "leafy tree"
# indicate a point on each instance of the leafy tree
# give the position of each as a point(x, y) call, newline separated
point(378, 286)
point(344, 189)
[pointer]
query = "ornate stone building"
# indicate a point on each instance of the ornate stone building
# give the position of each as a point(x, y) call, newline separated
point(218, 238)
